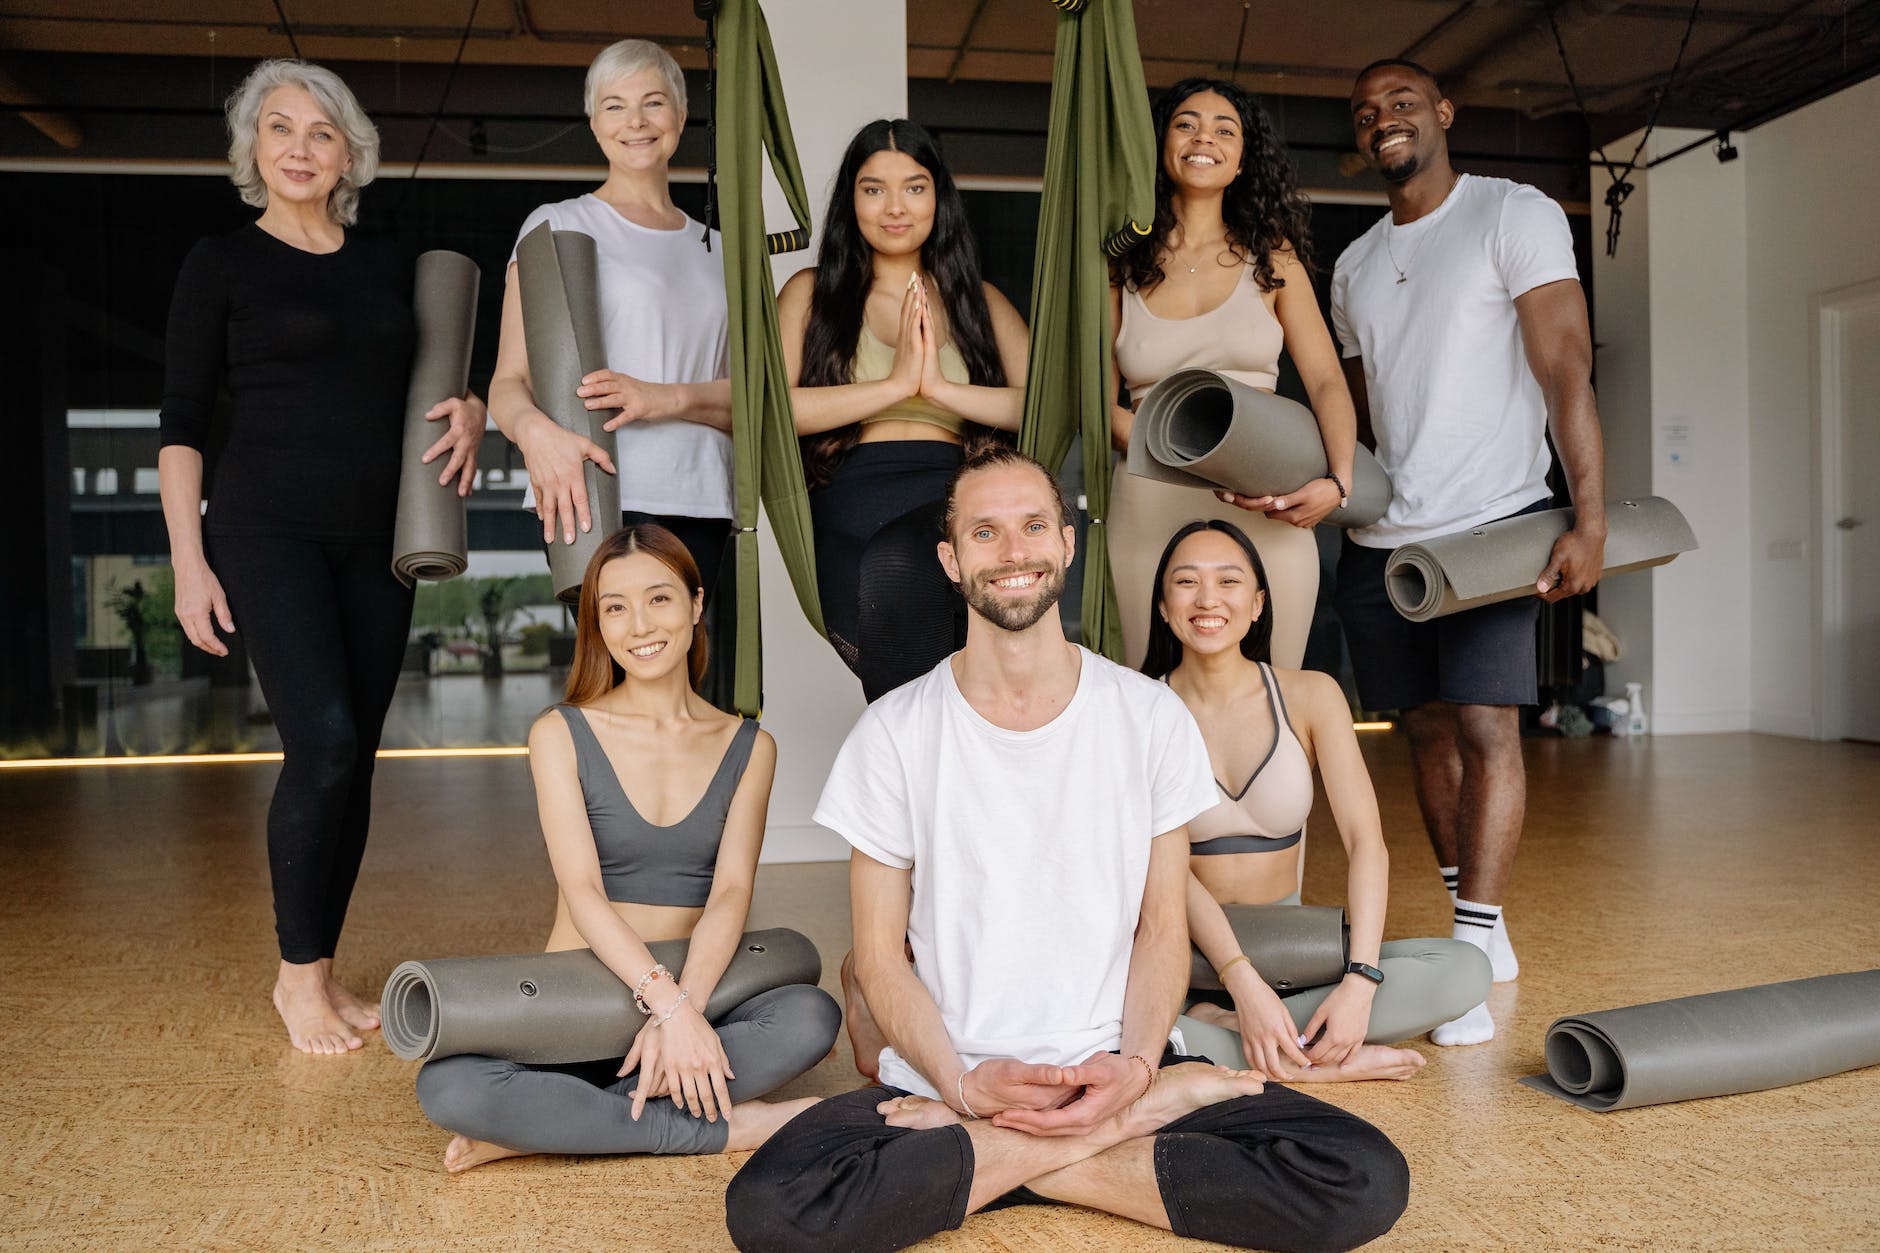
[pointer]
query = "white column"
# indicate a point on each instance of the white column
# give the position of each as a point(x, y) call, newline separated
point(844, 63)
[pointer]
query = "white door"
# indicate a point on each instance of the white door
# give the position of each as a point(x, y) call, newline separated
point(1853, 511)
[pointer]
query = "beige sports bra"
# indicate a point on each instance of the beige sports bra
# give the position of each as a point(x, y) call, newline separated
point(1240, 337)
point(1269, 811)
point(875, 360)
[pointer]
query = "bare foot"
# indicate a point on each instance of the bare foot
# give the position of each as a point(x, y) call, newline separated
point(462, 1153)
point(865, 1037)
point(1182, 1089)
point(361, 1015)
point(1371, 1061)
point(750, 1123)
point(918, 1112)
point(313, 1026)
point(1215, 1015)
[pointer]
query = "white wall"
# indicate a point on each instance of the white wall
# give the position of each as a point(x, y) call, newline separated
point(843, 63)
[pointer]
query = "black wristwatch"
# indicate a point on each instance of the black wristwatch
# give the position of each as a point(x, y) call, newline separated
point(1369, 972)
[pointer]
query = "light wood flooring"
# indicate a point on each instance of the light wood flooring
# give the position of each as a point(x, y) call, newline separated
point(150, 1099)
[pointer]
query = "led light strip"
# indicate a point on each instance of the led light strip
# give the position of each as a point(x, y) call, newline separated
point(205, 759)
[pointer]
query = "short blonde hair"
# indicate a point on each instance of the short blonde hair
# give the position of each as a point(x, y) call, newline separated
point(335, 99)
point(625, 59)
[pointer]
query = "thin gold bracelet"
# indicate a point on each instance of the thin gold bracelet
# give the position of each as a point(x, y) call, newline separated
point(1221, 974)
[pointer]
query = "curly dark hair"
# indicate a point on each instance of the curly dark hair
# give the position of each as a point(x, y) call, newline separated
point(1263, 208)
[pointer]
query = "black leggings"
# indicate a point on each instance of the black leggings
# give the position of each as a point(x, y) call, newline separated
point(890, 610)
point(325, 624)
point(709, 541)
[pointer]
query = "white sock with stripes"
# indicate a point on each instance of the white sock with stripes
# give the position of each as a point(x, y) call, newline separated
point(1500, 949)
point(1475, 924)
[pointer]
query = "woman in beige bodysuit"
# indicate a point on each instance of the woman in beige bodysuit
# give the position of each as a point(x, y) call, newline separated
point(1222, 283)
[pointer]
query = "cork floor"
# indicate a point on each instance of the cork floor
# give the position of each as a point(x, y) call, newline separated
point(151, 1100)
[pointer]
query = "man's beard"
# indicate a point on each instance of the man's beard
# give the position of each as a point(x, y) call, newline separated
point(1015, 615)
point(1401, 173)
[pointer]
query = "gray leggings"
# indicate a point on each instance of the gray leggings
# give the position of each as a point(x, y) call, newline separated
point(769, 1040)
point(1426, 983)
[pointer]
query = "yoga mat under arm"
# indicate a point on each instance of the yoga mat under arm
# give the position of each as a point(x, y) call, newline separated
point(1500, 561)
point(547, 1008)
point(429, 537)
point(1290, 946)
point(1199, 426)
point(1719, 1044)
point(561, 319)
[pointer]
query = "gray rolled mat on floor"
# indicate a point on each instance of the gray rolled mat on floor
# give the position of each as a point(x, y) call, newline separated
point(430, 539)
point(548, 1008)
point(1290, 946)
point(1501, 560)
point(1206, 429)
point(561, 320)
point(1714, 1045)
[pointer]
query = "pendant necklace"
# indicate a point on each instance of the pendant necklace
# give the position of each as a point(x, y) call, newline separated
point(1403, 271)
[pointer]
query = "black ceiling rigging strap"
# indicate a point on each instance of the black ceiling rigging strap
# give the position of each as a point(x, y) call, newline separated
point(288, 27)
point(707, 11)
point(437, 114)
point(1620, 188)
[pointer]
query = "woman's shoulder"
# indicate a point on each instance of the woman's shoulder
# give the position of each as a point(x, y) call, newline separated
point(1309, 693)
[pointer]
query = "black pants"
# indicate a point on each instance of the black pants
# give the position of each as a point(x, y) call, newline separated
point(890, 610)
point(1281, 1171)
point(325, 624)
point(709, 541)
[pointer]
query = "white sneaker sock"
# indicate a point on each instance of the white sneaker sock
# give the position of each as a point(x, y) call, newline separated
point(1501, 953)
point(1475, 924)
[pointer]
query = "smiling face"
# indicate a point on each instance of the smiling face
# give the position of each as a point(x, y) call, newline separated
point(1210, 594)
point(1009, 548)
point(894, 203)
point(299, 151)
point(1400, 121)
point(646, 615)
point(636, 122)
point(1203, 144)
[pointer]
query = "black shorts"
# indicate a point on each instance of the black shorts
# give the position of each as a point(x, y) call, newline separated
point(1484, 656)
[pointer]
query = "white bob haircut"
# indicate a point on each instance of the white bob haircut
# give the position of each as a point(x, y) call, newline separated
point(625, 59)
point(335, 100)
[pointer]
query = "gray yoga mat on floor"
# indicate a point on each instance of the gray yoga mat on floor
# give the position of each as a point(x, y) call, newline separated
point(430, 539)
point(1205, 429)
point(1714, 1045)
point(547, 1008)
point(561, 320)
point(1500, 561)
point(1290, 946)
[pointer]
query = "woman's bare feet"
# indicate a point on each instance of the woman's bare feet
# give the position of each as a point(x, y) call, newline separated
point(1182, 1089)
point(750, 1123)
point(1371, 1061)
point(462, 1153)
point(917, 1112)
point(313, 1024)
point(358, 1014)
point(1215, 1015)
point(865, 1037)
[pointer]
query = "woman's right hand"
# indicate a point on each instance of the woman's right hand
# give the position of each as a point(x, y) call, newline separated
point(553, 457)
point(910, 350)
point(201, 605)
point(1268, 1036)
point(683, 1058)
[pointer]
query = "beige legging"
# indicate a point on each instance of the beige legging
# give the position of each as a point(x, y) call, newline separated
point(1144, 513)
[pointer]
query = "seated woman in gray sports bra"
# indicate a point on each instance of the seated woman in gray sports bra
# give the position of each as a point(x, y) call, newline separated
point(664, 849)
point(1210, 634)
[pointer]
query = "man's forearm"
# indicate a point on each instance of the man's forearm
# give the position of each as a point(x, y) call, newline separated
point(906, 1014)
point(1158, 982)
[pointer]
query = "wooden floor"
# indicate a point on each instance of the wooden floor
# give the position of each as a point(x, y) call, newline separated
point(151, 1100)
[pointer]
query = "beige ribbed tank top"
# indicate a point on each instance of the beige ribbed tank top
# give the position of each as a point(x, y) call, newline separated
point(1239, 337)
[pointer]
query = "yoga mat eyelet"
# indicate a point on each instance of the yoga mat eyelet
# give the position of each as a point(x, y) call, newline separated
point(753, 948)
point(528, 987)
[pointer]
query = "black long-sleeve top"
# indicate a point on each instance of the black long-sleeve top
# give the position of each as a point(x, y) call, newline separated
point(316, 352)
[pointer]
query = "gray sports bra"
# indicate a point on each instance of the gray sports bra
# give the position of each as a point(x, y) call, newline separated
point(646, 864)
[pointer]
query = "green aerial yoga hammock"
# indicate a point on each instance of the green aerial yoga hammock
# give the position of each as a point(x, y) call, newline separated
point(750, 120)
point(1099, 196)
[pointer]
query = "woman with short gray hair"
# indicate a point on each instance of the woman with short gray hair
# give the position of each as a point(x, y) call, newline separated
point(309, 326)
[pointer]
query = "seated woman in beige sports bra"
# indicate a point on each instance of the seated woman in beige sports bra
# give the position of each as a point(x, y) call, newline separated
point(1221, 283)
point(1264, 727)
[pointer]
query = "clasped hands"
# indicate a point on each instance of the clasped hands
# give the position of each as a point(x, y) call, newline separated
point(917, 351)
point(1054, 1100)
point(682, 1058)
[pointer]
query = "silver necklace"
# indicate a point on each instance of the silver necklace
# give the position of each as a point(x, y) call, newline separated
point(1403, 271)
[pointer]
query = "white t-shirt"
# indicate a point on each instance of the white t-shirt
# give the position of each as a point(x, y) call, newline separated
point(1459, 417)
point(1029, 849)
point(664, 320)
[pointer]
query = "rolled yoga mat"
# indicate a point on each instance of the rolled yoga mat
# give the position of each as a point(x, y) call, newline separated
point(1714, 1045)
point(1501, 560)
point(1207, 429)
point(1290, 946)
point(429, 538)
point(561, 320)
point(548, 1008)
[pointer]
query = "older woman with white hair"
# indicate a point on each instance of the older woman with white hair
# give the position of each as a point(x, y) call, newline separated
point(664, 321)
point(308, 325)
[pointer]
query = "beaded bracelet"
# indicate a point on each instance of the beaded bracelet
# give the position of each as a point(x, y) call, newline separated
point(658, 972)
point(685, 995)
point(1147, 1069)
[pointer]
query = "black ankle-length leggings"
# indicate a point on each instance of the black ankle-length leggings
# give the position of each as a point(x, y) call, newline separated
point(890, 610)
point(325, 624)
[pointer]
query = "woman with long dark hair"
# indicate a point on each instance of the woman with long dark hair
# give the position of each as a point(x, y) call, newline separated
point(1210, 639)
point(308, 324)
point(1223, 282)
point(900, 355)
point(661, 846)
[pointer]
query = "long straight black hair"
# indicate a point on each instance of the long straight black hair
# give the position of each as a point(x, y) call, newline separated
point(1165, 651)
point(845, 267)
